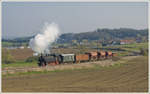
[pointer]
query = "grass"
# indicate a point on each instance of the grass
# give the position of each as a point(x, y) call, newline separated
point(20, 64)
point(134, 47)
point(8, 44)
point(94, 67)
point(46, 71)
point(131, 46)
point(27, 73)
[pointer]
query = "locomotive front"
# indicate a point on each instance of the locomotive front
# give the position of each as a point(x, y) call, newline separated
point(48, 59)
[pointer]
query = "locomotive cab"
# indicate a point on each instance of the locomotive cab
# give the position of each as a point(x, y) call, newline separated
point(48, 59)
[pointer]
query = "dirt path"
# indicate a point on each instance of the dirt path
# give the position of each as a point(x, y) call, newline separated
point(12, 70)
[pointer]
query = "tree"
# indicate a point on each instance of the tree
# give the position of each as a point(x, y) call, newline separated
point(143, 51)
point(7, 57)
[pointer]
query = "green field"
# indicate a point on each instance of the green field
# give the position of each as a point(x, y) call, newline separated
point(9, 44)
point(129, 48)
point(20, 64)
point(132, 47)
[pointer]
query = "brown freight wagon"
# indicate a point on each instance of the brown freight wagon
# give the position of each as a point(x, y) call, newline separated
point(92, 56)
point(101, 54)
point(108, 54)
point(81, 58)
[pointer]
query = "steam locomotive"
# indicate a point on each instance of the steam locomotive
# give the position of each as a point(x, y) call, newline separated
point(55, 59)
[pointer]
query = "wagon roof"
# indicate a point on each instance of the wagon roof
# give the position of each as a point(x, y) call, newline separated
point(53, 54)
point(102, 51)
point(67, 54)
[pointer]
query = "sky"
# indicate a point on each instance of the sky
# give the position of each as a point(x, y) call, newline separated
point(21, 19)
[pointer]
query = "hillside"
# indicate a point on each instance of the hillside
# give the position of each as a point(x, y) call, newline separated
point(105, 34)
point(99, 34)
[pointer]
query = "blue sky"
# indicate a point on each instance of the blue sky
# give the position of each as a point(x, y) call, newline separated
point(21, 19)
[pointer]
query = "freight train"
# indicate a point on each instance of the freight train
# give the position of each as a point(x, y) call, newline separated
point(55, 59)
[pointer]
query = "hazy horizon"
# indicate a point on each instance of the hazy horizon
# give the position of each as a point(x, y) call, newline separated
point(27, 19)
point(72, 32)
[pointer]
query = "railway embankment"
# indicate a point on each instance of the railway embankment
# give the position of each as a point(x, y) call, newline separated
point(101, 63)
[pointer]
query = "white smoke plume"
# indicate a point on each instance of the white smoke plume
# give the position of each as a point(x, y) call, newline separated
point(42, 41)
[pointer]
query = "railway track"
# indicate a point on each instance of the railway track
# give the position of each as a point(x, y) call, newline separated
point(108, 62)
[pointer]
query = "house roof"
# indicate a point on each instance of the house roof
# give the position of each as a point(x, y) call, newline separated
point(126, 40)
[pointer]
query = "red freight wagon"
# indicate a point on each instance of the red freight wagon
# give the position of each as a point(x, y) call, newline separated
point(109, 54)
point(92, 55)
point(82, 57)
point(101, 54)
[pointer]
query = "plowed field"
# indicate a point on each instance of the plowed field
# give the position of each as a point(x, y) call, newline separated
point(131, 76)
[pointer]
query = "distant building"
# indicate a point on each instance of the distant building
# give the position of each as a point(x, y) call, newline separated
point(11, 47)
point(21, 47)
point(126, 41)
point(28, 47)
point(35, 54)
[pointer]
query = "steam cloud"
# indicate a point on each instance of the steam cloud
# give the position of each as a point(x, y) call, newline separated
point(42, 41)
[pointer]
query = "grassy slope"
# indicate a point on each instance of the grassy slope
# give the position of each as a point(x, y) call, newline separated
point(133, 46)
point(7, 43)
point(4, 43)
point(20, 64)
point(132, 76)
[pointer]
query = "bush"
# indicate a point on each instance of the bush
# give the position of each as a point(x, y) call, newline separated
point(7, 58)
point(143, 51)
point(32, 59)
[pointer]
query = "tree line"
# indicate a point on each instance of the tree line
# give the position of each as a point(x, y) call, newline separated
point(98, 34)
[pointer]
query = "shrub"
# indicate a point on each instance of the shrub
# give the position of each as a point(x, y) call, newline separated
point(143, 51)
point(32, 59)
point(7, 58)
